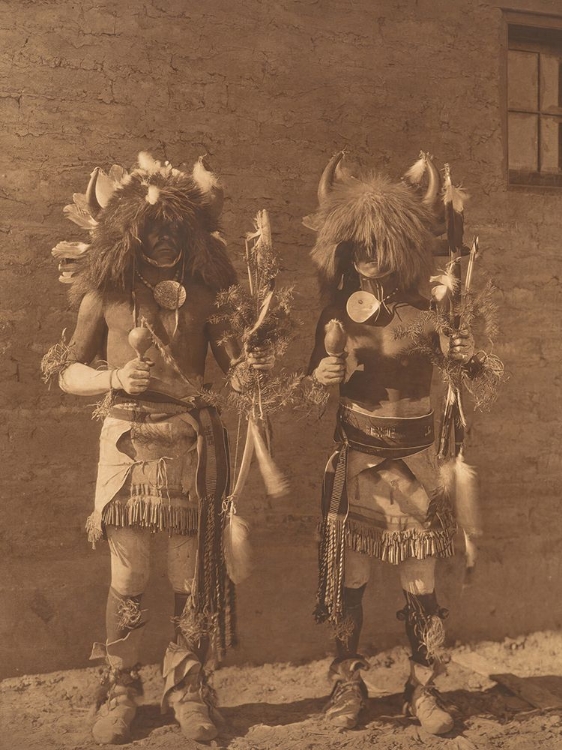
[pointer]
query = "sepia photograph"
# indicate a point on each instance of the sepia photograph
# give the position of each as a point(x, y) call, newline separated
point(280, 326)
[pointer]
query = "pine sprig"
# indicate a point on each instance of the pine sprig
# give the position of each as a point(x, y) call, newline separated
point(478, 312)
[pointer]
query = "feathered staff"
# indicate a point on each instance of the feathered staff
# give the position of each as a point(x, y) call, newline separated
point(458, 477)
point(259, 330)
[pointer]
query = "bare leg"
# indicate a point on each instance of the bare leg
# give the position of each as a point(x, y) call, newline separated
point(130, 559)
point(185, 687)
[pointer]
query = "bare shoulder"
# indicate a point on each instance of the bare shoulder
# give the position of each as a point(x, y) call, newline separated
point(92, 307)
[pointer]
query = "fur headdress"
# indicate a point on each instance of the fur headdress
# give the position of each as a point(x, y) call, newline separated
point(365, 216)
point(118, 206)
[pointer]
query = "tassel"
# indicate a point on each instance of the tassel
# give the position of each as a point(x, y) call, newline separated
point(237, 550)
point(275, 483)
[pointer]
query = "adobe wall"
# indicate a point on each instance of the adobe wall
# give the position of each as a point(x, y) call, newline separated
point(270, 90)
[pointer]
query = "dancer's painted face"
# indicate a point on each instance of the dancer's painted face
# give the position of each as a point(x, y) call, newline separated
point(371, 269)
point(161, 243)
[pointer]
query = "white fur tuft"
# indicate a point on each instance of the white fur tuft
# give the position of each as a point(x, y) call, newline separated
point(153, 194)
point(204, 178)
point(147, 163)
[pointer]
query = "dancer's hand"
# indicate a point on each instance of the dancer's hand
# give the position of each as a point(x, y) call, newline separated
point(260, 358)
point(330, 371)
point(461, 346)
point(133, 377)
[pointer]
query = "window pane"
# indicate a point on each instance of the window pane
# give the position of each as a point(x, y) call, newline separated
point(550, 144)
point(523, 141)
point(523, 81)
point(550, 84)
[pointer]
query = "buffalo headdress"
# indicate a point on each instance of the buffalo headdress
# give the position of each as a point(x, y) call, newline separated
point(364, 216)
point(120, 205)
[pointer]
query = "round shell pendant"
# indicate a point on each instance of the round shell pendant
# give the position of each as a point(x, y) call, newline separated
point(169, 294)
point(361, 306)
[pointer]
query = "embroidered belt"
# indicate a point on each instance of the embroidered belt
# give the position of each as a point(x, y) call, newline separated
point(392, 437)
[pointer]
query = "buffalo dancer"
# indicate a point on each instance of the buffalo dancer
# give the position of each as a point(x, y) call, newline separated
point(381, 495)
point(147, 285)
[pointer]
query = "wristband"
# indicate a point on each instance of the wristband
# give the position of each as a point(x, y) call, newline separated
point(119, 381)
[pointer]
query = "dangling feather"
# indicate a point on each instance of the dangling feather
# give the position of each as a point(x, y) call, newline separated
point(236, 545)
point(275, 483)
point(447, 476)
point(416, 172)
point(471, 553)
point(466, 497)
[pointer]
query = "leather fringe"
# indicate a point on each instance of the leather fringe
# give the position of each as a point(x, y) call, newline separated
point(153, 516)
point(396, 546)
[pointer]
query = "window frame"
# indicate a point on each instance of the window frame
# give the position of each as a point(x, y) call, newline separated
point(539, 21)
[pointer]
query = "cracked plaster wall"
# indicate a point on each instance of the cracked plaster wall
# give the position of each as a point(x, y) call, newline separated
point(270, 91)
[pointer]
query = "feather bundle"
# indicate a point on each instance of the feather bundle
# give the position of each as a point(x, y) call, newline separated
point(237, 549)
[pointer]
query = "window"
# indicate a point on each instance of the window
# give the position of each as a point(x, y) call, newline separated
point(534, 100)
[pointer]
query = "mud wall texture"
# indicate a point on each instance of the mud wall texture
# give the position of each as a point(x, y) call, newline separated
point(270, 90)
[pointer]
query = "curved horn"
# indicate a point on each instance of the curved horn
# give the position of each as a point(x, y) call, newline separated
point(208, 182)
point(434, 183)
point(432, 197)
point(327, 179)
point(91, 199)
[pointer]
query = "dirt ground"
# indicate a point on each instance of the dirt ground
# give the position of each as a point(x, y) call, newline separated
point(279, 706)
